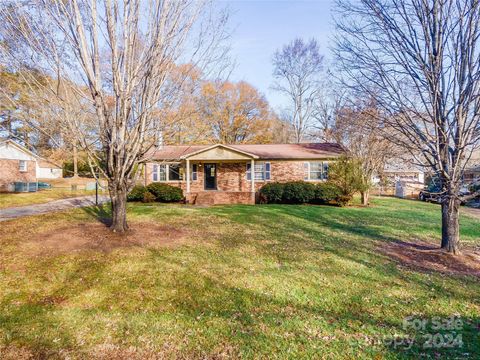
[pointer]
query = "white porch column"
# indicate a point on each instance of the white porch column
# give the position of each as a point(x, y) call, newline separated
point(252, 177)
point(188, 176)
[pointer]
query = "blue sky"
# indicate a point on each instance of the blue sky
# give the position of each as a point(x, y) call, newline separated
point(260, 27)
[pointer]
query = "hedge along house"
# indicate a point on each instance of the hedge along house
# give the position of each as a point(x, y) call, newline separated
point(222, 174)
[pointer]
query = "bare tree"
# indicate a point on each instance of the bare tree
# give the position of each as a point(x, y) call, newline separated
point(357, 129)
point(124, 53)
point(332, 100)
point(420, 60)
point(297, 71)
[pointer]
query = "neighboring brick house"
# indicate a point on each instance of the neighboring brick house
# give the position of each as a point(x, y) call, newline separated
point(18, 164)
point(221, 174)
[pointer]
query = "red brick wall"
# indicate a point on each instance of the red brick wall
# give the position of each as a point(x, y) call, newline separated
point(232, 176)
point(9, 173)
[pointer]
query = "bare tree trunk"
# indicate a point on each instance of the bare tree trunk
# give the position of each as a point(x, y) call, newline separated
point(75, 161)
point(365, 197)
point(119, 208)
point(450, 224)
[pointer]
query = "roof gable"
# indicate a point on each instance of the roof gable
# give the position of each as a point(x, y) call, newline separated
point(219, 152)
point(11, 150)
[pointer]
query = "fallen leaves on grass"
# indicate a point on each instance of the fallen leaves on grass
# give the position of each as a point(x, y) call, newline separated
point(424, 256)
point(97, 237)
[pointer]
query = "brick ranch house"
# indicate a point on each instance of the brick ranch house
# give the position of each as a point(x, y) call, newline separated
point(222, 174)
point(18, 164)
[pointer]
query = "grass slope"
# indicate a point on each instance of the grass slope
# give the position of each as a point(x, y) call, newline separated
point(251, 282)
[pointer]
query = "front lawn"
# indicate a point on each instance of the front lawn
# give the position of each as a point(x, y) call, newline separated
point(271, 281)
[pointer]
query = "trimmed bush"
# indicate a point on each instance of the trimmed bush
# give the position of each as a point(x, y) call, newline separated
point(165, 192)
point(327, 193)
point(298, 192)
point(272, 193)
point(148, 197)
point(137, 193)
point(301, 192)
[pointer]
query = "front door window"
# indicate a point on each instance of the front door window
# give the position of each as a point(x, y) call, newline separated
point(210, 177)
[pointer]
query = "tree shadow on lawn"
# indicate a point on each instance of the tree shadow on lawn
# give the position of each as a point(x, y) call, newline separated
point(257, 318)
point(263, 317)
point(33, 319)
point(103, 213)
point(210, 309)
point(343, 233)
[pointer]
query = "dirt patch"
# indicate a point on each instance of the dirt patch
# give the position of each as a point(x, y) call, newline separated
point(114, 352)
point(427, 257)
point(97, 237)
point(474, 212)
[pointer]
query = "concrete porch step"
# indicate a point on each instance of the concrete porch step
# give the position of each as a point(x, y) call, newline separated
point(205, 198)
point(220, 198)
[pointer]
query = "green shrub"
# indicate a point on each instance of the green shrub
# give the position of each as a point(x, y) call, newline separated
point(298, 192)
point(272, 193)
point(165, 193)
point(301, 192)
point(327, 193)
point(148, 197)
point(137, 193)
point(347, 173)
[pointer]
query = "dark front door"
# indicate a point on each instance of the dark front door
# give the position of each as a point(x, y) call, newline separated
point(210, 176)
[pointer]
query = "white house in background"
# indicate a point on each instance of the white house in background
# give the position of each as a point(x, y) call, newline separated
point(403, 172)
point(18, 164)
point(400, 170)
point(401, 178)
point(472, 170)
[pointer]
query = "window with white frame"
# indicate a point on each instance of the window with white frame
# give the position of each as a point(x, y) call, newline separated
point(22, 165)
point(194, 172)
point(316, 170)
point(261, 171)
point(167, 172)
point(159, 172)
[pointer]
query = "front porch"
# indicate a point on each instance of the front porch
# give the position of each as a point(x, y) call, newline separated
point(219, 176)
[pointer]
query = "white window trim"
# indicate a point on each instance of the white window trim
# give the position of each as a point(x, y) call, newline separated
point(307, 177)
point(264, 171)
point(167, 172)
point(191, 172)
point(23, 169)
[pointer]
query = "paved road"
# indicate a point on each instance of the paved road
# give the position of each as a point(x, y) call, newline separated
point(52, 206)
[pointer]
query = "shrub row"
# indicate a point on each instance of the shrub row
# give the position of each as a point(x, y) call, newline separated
point(301, 192)
point(155, 192)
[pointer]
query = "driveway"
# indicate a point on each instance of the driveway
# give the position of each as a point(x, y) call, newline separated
point(53, 206)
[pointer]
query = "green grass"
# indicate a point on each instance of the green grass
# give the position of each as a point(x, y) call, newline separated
point(248, 281)
point(42, 196)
